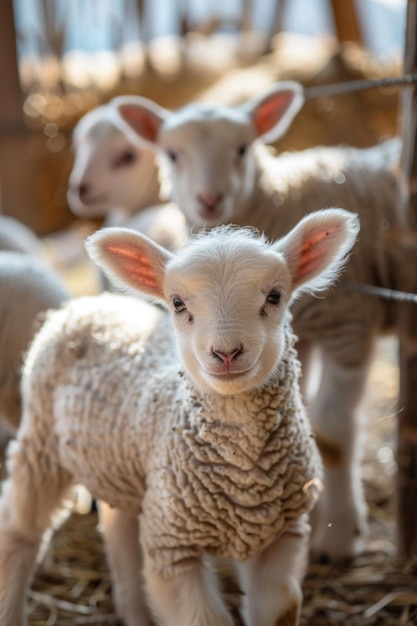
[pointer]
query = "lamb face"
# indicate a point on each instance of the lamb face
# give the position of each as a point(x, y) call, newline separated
point(228, 291)
point(208, 157)
point(230, 324)
point(209, 149)
point(109, 171)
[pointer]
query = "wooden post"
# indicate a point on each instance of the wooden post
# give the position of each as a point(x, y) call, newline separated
point(407, 417)
point(246, 16)
point(346, 21)
point(27, 187)
point(277, 23)
point(11, 98)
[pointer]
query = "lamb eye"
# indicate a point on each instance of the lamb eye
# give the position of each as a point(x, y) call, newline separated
point(173, 156)
point(273, 297)
point(242, 150)
point(125, 158)
point(179, 305)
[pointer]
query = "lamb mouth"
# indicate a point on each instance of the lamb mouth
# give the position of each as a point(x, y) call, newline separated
point(94, 200)
point(226, 376)
point(211, 216)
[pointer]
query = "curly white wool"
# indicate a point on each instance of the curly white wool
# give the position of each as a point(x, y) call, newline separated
point(112, 451)
point(193, 421)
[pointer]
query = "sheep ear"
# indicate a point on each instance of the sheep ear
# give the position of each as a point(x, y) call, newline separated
point(130, 259)
point(141, 115)
point(317, 248)
point(273, 112)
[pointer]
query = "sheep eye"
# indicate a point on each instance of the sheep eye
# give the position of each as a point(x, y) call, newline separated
point(242, 150)
point(273, 297)
point(173, 156)
point(126, 158)
point(179, 305)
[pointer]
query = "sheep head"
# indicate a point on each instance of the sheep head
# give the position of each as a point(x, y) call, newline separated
point(228, 291)
point(208, 148)
point(109, 169)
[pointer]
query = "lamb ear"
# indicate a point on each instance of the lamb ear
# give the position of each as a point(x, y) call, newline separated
point(141, 115)
point(130, 259)
point(317, 248)
point(273, 112)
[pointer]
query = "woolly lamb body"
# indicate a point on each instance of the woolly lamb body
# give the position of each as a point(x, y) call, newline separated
point(221, 175)
point(193, 422)
point(364, 182)
point(216, 485)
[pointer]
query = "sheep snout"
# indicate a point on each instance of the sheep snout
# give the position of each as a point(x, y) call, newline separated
point(210, 203)
point(226, 359)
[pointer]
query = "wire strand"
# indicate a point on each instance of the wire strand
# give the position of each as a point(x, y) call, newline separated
point(319, 91)
point(382, 292)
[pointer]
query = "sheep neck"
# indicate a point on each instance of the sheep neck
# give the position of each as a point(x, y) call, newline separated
point(287, 186)
point(260, 201)
point(239, 428)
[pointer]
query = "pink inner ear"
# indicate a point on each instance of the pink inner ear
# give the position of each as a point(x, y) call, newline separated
point(311, 253)
point(134, 266)
point(271, 111)
point(142, 121)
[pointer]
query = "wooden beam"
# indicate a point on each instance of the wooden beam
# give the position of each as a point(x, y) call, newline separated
point(407, 418)
point(346, 20)
point(11, 113)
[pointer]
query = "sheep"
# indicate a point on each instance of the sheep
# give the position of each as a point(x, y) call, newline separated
point(221, 173)
point(113, 177)
point(103, 155)
point(15, 236)
point(189, 421)
point(28, 288)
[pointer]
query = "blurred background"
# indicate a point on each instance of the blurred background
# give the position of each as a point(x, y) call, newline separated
point(60, 58)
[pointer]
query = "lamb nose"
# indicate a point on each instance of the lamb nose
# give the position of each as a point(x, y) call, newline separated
point(210, 200)
point(227, 357)
point(83, 190)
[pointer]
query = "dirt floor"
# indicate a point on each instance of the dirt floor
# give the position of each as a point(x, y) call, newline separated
point(375, 589)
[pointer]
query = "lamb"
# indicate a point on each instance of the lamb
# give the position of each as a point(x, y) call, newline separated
point(189, 422)
point(28, 288)
point(113, 177)
point(221, 174)
point(16, 237)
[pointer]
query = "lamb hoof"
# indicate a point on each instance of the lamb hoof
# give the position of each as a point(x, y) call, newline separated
point(290, 617)
point(338, 536)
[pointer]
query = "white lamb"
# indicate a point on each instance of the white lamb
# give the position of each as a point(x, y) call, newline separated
point(28, 288)
point(190, 423)
point(16, 237)
point(221, 174)
point(113, 177)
